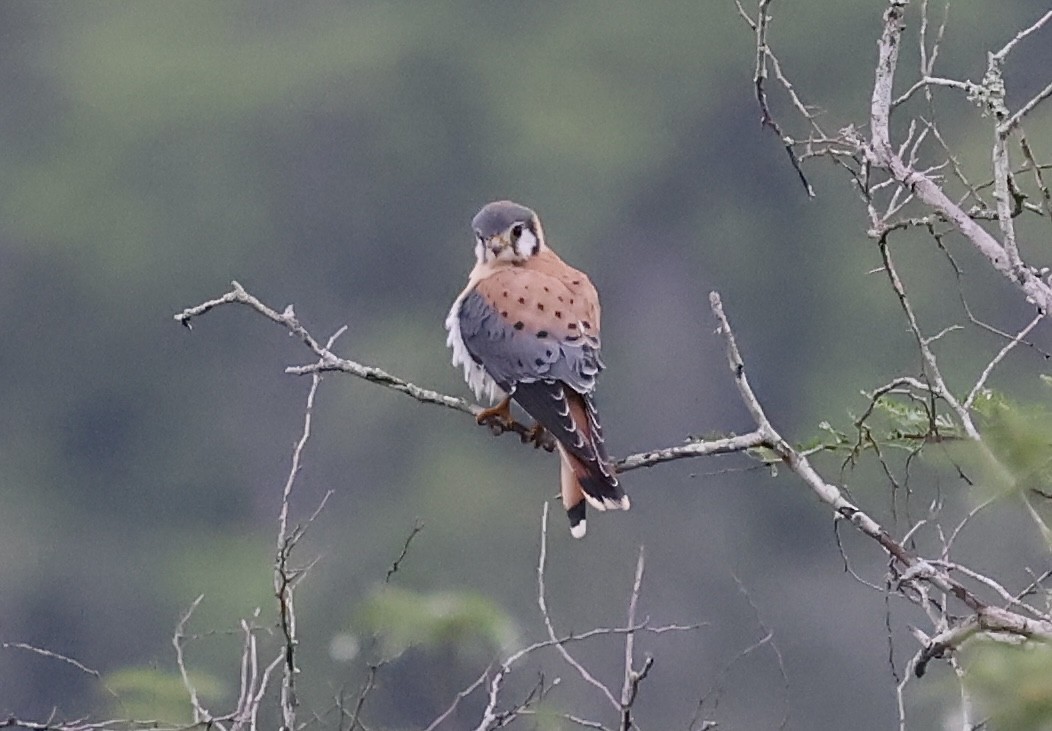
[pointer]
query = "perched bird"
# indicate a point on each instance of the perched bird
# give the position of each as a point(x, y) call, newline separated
point(526, 328)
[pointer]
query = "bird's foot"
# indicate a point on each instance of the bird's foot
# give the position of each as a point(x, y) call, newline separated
point(539, 437)
point(497, 418)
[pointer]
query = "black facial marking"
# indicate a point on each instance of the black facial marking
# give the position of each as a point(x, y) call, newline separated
point(542, 333)
point(539, 362)
point(558, 315)
point(540, 307)
point(522, 300)
point(518, 325)
point(585, 324)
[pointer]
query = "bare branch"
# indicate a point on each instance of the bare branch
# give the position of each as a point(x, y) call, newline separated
point(717, 688)
point(991, 618)
point(878, 152)
point(978, 387)
point(491, 718)
point(66, 659)
point(632, 677)
point(331, 362)
point(417, 527)
point(938, 386)
point(763, 54)
point(200, 714)
point(693, 448)
point(1012, 122)
point(456, 701)
point(1000, 55)
point(542, 603)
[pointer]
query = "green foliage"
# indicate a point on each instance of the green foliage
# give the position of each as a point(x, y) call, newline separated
point(1017, 437)
point(465, 622)
point(1011, 684)
point(149, 693)
point(906, 425)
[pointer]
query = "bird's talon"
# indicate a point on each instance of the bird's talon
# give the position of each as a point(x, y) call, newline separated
point(497, 418)
point(537, 437)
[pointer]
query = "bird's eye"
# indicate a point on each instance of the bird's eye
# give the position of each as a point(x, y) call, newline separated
point(516, 232)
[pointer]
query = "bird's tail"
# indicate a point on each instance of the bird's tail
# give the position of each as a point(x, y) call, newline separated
point(581, 486)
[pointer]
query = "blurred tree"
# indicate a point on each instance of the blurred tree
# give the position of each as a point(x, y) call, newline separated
point(332, 154)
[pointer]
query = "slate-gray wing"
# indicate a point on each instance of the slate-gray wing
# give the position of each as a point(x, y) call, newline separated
point(513, 353)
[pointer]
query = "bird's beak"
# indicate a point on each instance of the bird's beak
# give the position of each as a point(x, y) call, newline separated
point(496, 244)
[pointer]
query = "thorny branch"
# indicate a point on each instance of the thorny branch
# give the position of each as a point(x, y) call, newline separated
point(285, 578)
point(893, 182)
point(760, 76)
point(254, 684)
point(914, 568)
point(328, 361)
point(493, 718)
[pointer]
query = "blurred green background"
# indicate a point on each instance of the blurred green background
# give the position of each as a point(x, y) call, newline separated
point(331, 155)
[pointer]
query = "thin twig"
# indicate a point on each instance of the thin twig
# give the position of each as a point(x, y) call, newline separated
point(542, 603)
point(200, 714)
point(978, 387)
point(632, 677)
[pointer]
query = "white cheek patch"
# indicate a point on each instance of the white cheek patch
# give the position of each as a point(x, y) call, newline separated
point(526, 246)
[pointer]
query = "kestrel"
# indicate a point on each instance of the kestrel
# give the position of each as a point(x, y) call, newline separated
point(526, 328)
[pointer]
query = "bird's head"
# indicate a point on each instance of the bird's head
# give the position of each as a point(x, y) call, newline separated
point(506, 232)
